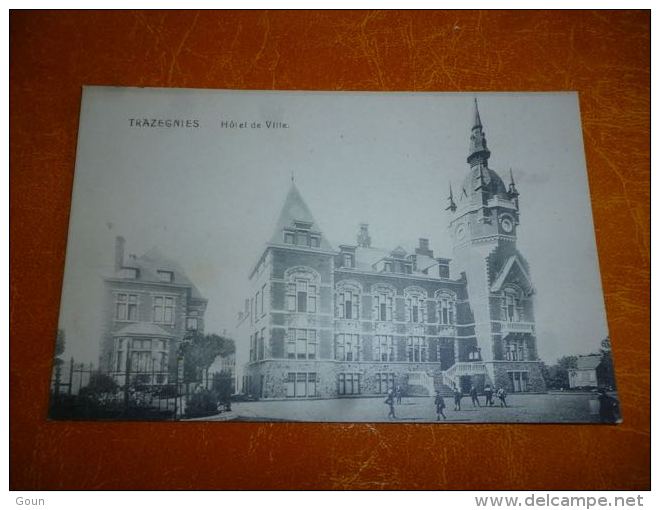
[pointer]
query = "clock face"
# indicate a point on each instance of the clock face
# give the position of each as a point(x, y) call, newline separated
point(507, 225)
point(460, 232)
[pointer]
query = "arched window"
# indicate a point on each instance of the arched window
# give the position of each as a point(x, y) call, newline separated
point(347, 300)
point(511, 304)
point(446, 307)
point(302, 290)
point(415, 305)
point(383, 296)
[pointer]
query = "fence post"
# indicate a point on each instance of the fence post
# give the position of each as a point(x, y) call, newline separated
point(58, 378)
point(127, 371)
point(71, 375)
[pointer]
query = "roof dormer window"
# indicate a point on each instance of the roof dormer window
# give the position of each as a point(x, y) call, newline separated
point(289, 238)
point(130, 273)
point(165, 276)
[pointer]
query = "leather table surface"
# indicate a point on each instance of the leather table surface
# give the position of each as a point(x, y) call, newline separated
point(603, 55)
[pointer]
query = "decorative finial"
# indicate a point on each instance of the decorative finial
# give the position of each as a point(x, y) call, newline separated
point(293, 177)
point(452, 204)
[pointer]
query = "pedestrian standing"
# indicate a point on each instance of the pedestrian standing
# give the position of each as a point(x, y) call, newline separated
point(501, 394)
point(457, 398)
point(488, 391)
point(390, 402)
point(475, 397)
point(439, 406)
point(399, 393)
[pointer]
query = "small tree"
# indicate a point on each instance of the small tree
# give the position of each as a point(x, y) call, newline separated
point(201, 352)
point(60, 344)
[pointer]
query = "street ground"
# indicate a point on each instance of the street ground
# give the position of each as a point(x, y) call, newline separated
point(525, 408)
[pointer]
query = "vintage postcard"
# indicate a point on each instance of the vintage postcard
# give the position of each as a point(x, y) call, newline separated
point(331, 257)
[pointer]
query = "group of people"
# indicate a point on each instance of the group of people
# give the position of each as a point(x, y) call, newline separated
point(500, 393)
point(395, 395)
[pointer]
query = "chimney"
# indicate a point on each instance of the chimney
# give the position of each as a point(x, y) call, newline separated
point(120, 242)
point(424, 248)
point(363, 238)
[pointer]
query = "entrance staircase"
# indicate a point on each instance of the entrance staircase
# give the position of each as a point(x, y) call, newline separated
point(422, 384)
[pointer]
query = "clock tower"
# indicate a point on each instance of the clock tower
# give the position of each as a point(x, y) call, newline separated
point(498, 343)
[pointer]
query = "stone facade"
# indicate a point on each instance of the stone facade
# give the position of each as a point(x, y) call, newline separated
point(358, 320)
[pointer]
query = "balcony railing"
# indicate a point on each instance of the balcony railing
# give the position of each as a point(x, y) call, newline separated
point(517, 327)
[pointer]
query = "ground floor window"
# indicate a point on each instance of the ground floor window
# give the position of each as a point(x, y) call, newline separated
point(519, 381)
point(349, 384)
point(385, 382)
point(301, 384)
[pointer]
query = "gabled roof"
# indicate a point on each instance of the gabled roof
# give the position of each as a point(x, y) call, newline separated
point(143, 329)
point(153, 261)
point(588, 362)
point(507, 269)
point(296, 210)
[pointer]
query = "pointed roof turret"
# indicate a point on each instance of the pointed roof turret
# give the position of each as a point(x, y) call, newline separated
point(296, 215)
point(478, 152)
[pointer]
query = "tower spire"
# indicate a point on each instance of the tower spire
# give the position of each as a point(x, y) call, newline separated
point(477, 118)
point(452, 204)
point(478, 152)
point(513, 192)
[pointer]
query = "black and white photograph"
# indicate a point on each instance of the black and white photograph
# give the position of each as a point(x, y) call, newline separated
point(331, 257)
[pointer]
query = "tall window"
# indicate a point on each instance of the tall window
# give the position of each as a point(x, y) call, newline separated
point(126, 307)
point(446, 308)
point(164, 309)
point(260, 343)
point(301, 384)
point(301, 344)
point(417, 349)
point(515, 350)
point(384, 348)
point(511, 306)
point(253, 347)
point(348, 384)
point(302, 290)
point(347, 347)
point(263, 294)
point(416, 305)
point(383, 303)
point(347, 301)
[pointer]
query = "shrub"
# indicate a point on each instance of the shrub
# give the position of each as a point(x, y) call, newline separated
point(202, 403)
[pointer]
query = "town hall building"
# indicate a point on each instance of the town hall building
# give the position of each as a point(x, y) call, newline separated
point(336, 321)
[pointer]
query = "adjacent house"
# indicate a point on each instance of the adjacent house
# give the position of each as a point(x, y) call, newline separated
point(586, 373)
point(151, 305)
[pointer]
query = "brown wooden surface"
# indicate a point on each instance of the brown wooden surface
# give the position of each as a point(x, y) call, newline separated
point(603, 55)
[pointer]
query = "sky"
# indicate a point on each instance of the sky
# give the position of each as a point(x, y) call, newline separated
point(209, 196)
